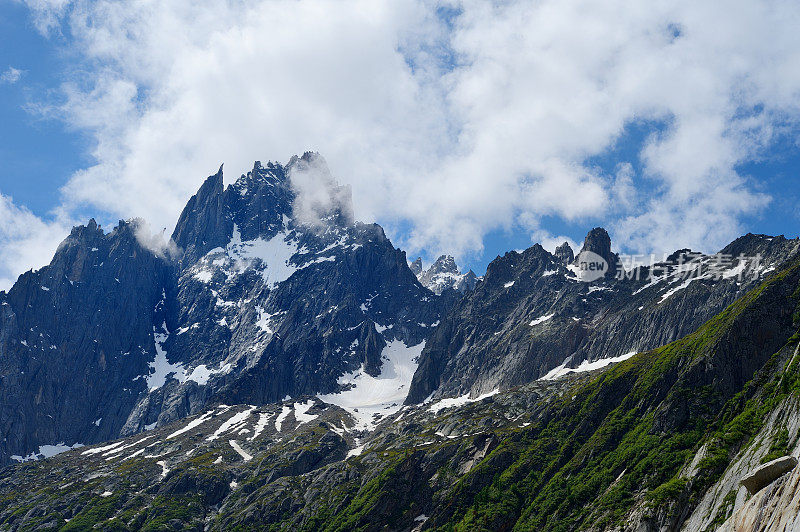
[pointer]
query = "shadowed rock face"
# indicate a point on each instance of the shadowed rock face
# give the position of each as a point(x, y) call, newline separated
point(416, 266)
point(112, 337)
point(203, 224)
point(74, 338)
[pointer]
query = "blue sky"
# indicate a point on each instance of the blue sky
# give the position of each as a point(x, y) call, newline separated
point(463, 129)
point(38, 155)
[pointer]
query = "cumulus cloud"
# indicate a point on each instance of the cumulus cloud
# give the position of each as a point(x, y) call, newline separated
point(452, 118)
point(26, 240)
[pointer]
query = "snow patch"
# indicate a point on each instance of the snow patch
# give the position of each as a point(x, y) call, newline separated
point(281, 417)
point(204, 276)
point(202, 373)
point(192, 424)
point(300, 410)
point(233, 422)
point(98, 450)
point(356, 451)
point(666, 295)
point(541, 319)
point(160, 367)
point(562, 370)
point(164, 468)
point(244, 454)
point(46, 451)
point(261, 424)
point(459, 401)
point(383, 395)
point(263, 320)
point(274, 254)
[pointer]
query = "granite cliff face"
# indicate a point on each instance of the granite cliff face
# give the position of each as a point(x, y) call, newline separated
point(75, 336)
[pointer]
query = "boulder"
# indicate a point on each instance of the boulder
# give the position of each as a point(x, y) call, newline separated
point(767, 473)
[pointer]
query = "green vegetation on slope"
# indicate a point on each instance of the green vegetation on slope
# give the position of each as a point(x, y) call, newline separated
point(629, 432)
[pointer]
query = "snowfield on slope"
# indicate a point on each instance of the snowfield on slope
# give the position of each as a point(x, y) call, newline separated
point(370, 397)
point(562, 370)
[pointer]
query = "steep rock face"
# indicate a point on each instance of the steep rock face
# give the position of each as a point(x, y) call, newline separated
point(598, 242)
point(531, 317)
point(275, 291)
point(194, 233)
point(75, 337)
point(351, 287)
point(282, 307)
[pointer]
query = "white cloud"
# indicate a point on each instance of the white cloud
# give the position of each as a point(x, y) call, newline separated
point(26, 240)
point(10, 75)
point(47, 14)
point(496, 137)
point(317, 195)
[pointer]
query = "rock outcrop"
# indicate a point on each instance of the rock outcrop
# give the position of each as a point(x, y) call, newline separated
point(768, 473)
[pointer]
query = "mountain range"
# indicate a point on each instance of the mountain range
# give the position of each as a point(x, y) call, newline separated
point(276, 364)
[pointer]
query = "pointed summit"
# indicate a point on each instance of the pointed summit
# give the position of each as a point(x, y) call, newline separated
point(564, 253)
point(444, 274)
point(319, 199)
point(598, 242)
point(416, 266)
point(202, 224)
point(444, 264)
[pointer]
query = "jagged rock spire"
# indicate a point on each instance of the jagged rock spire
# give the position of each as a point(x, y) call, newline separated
point(597, 241)
point(416, 266)
point(564, 253)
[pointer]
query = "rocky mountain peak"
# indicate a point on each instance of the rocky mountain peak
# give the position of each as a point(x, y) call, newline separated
point(203, 225)
point(261, 203)
point(564, 253)
point(599, 242)
point(443, 275)
point(320, 201)
point(416, 266)
point(444, 264)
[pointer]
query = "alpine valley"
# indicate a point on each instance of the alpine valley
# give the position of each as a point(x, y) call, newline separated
point(277, 365)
